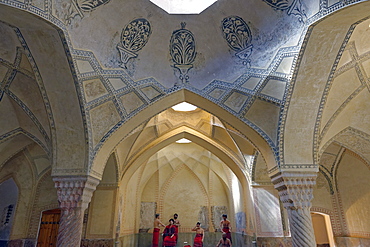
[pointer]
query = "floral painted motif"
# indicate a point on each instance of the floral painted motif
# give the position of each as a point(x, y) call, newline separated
point(133, 38)
point(136, 34)
point(278, 4)
point(293, 7)
point(238, 36)
point(88, 5)
point(182, 46)
point(182, 51)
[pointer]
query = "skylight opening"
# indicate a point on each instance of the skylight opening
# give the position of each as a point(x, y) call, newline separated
point(183, 6)
point(184, 106)
point(183, 140)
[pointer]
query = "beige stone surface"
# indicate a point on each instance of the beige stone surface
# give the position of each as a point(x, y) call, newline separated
point(343, 86)
point(9, 122)
point(360, 36)
point(265, 116)
point(94, 89)
point(355, 115)
point(274, 88)
point(131, 101)
point(101, 214)
point(321, 194)
point(329, 34)
point(354, 193)
point(103, 119)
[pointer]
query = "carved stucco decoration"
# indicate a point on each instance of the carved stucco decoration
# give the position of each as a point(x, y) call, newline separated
point(238, 36)
point(133, 38)
point(182, 51)
point(293, 7)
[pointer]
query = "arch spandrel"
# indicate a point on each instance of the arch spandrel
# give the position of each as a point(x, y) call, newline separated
point(164, 103)
point(319, 56)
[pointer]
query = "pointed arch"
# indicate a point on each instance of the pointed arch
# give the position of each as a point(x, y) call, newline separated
point(120, 132)
point(230, 159)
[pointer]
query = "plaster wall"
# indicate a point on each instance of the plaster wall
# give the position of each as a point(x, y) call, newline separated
point(354, 188)
point(102, 211)
point(321, 194)
point(355, 114)
point(184, 194)
point(128, 201)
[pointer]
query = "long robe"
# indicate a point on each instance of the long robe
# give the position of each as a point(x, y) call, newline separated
point(155, 241)
point(167, 233)
point(198, 240)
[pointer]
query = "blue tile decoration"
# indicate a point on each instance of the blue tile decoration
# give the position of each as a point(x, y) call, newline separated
point(238, 36)
point(182, 51)
point(133, 38)
point(292, 7)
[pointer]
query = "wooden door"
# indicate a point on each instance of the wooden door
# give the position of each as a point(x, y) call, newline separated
point(49, 226)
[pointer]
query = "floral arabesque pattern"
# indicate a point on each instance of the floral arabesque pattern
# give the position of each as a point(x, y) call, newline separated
point(136, 34)
point(182, 51)
point(236, 32)
point(182, 46)
point(133, 38)
point(238, 36)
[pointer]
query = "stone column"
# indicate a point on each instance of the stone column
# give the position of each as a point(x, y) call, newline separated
point(74, 195)
point(295, 191)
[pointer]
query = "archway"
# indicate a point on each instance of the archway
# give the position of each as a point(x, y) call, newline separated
point(9, 195)
point(123, 130)
point(209, 173)
point(323, 229)
point(186, 179)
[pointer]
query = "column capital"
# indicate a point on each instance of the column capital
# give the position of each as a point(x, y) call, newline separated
point(75, 191)
point(295, 188)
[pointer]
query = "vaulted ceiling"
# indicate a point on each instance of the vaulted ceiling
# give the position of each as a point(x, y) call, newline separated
point(274, 77)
